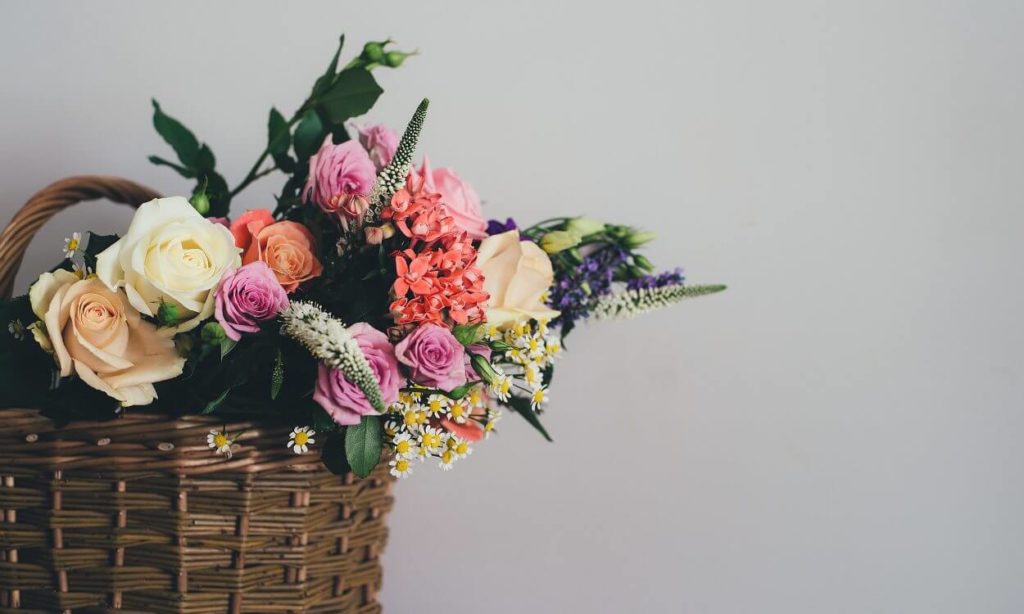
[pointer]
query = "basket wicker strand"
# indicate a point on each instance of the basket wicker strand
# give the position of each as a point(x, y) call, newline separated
point(138, 515)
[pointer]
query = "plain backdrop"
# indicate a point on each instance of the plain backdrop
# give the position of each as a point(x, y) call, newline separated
point(839, 432)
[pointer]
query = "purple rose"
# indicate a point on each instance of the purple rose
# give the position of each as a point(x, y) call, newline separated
point(247, 296)
point(342, 399)
point(434, 357)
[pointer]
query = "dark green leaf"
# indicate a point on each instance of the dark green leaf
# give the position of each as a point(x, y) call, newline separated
point(461, 391)
point(279, 139)
point(327, 78)
point(353, 93)
point(184, 172)
point(309, 134)
point(322, 421)
point(546, 375)
point(277, 376)
point(226, 345)
point(522, 407)
point(177, 136)
point(205, 160)
point(212, 405)
point(466, 333)
point(363, 445)
point(332, 453)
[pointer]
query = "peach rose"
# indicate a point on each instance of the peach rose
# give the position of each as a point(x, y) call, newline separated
point(95, 333)
point(288, 249)
point(516, 275)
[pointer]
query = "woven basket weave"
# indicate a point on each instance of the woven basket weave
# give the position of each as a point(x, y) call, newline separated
point(138, 515)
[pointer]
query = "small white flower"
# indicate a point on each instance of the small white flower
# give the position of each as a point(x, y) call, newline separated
point(459, 411)
point(17, 329)
point(400, 467)
point(301, 438)
point(430, 440)
point(502, 387)
point(493, 416)
point(80, 269)
point(220, 442)
point(448, 458)
point(539, 398)
point(458, 446)
point(437, 405)
point(404, 445)
point(73, 245)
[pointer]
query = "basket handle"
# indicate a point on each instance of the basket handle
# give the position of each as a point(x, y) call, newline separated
point(52, 199)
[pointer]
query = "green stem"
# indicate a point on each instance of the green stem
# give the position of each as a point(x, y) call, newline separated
point(255, 172)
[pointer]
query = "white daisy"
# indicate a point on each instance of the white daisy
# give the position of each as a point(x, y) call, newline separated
point(404, 445)
point(429, 441)
point(459, 411)
point(458, 446)
point(400, 467)
point(17, 329)
point(502, 387)
point(539, 398)
point(493, 416)
point(220, 442)
point(437, 404)
point(448, 458)
point(80, 269)
point(301, 438)
point(72, 245)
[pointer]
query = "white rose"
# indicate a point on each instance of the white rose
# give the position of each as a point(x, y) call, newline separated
point(170, 254)
point(93, 333)
point(516, 275)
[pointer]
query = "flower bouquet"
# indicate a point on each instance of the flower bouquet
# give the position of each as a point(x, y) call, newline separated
point(189, 403)
point(373, 308)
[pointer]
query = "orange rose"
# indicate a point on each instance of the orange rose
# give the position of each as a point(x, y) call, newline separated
point(287, 248)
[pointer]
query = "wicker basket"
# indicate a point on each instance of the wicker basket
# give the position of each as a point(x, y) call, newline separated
point(137, 514)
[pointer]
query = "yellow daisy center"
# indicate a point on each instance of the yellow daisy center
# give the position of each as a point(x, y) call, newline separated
point(462, 448)
point(402, 466)
point(301, 438)
point(72, 245)
point(220, 440)
point(402, 447)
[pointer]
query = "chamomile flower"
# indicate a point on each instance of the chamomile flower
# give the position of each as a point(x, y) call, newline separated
point(430, 441)
point(531, 375)
point(413, 418)
point(17, 329)
point(448, 458)
point(301, 438)
point(492, 334)
point(476, 396)
point(553, 348)
point(459, 411)
point(437, 404)
point(220, 442)
point(405, 447)
point(73, 245)
point(534, 346)
point(502, 387)
point(458, 446)
point(542, 327)
point(391, 428)
point(493, 416)
point(400, 467)
point(539, 398)
point(81, 270)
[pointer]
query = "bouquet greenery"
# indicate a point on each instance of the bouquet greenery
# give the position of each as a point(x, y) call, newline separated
point(374, 307)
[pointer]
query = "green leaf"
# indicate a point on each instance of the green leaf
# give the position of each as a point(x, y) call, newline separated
point(467, 334)
point(461, 391)
point(226, 345)
point(522, 407)
point(177, 136)
point(363, 445)
point(277, 376)
point(353, 93)
point(322, 421)
point(327, 78)
point(214, 404)
point(184, 172)
point(332, 453)
point(279, 139)
point(309, 134)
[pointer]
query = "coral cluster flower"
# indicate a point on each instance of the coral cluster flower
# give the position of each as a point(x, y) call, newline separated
point(458, 196)
point(247, 296)
point(340, 178)
point(287, 247)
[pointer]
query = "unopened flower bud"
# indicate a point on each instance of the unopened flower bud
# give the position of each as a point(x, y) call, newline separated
point(373, 52)
point(168, 314)
point(637, 238)
point(394, 59)
point(200, 202)
point(212, 333)
point(584, 226)
point(484, 368)
point(642, 262)
point(559, 240)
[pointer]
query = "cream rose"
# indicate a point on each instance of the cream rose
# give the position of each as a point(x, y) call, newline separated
point(516, 275)
point(95, 333)
point(170, 254)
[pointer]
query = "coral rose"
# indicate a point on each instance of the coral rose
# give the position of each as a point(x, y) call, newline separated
point(95, 332)
point(288, 249)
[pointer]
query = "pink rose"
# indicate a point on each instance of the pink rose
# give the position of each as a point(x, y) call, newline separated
point(379, 141)
point(247, 296)
point(342, 399)
point(434, 356)
point(458, 196)
point(340, 177)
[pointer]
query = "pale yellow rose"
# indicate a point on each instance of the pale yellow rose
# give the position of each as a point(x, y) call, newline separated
point(517, 274)
point(94, 333)
point(170, 254)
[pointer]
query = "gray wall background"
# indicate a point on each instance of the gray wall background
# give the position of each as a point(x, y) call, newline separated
point(840, 432)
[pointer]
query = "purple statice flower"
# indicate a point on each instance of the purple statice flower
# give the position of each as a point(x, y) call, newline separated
point(496, 227)
point(668, 278)
point(576, 290)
